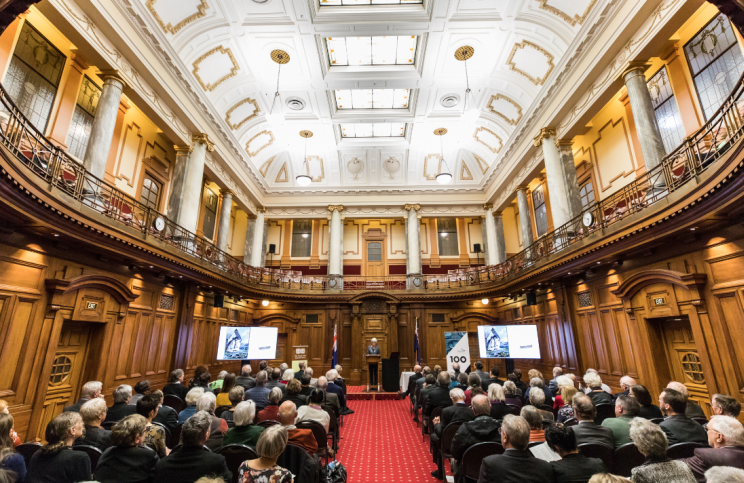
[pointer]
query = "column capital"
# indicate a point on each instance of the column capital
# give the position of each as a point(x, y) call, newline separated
point(633, 69)
point(114, 74)
point(487, 206)
point(545, 133)
point(182, 149)
point(226, 193)
point(203, 138)
point(410, 207)
point(261, 209)
point(564, 143)
point(524, 188)
point(333, 208)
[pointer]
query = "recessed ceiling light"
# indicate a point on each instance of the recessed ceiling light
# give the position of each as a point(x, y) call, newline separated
point(599, 263)
point(484, 301)
point(295, 103)
point(261, 1)
point(265, 303)
point(693, 229)
point(151, 266)
point(450, 100)
point(56, 234)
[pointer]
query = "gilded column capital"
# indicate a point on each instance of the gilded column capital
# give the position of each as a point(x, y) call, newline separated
point(182, 149)
point(203, 138)
point(524, 188)
point(564, 143)
point(487, 206)
point(111, 74)
point(261, 209)
point(226, 192)
point(545, 133)
point(410, 207)
point(333, 208)
point(635, 68)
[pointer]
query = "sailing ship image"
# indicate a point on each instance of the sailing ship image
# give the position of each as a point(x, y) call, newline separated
point(497, 342)
point(236, 343)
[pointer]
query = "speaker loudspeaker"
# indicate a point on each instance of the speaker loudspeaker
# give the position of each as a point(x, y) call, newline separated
point(272, 248)
point(531, 298)
point(219, 300)
point(477, 248)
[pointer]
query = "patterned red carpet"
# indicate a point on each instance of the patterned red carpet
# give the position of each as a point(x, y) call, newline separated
point(382, 444)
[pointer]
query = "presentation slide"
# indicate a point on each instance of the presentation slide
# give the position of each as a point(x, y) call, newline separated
point(240, 343)
point(508, 342)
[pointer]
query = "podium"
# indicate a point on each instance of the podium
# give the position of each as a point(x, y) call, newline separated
point(373, 359)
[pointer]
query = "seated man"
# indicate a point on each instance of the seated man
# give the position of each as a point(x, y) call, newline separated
point(276, 379)
point(175, 386)
point(481, 429)
point(121, 407)
point(91, 390)
point(461, 382)
point(313, 380)
point(415, 377)
point(307, 388)
point(678, 427)
point(332, 375)
point(604, 386)
point(626, 408)
point(726, 441)
point(626, 382)
point(141, 389)
point(723, 405)
point(516, 464)
point(192, 461)
point(429, 386)
point(245, 380)
point(298, 375)
point(300, 437)
point(419, 386)
point(587, 431)
point(596, 391)
point(692, 409)
point(259, 394)
point(331, 400)
point(493, 379)
point(457, 413)
point(553, 384)
point(479, 371)
point(439, 396)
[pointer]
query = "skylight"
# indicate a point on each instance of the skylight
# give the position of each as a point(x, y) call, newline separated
point(370, 2)
point(376, 130)
point(372, 98)
point(386, 50)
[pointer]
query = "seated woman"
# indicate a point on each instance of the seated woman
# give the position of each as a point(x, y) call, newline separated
point(499, 409)
point(244, 432)
point(651, 441)
point(270, 445)
point(9, 459)
point(93, 413)
point(313, 410)
point(510, 394)
point(473, 381)
point(597, 394)
point(57, 462)
point(562, 381)
point(223, 398)
point(127, 461)
point(217, 384)
point(293, 394)
point(208, 403)
point(147, 407)
point(191, 398)
point(648, 409)
point(535, 420)
point(236, 396)
point(287, 376)
point(566, 410)
point(4, 410)
point(271, 412)
point(201, 374)
point(573, 466)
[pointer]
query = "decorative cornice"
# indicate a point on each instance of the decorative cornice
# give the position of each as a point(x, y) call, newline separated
point(545, 133)
point(247, 100)
point(201, 11)
point(526, 43)
point(182, 149)
point(233, 70)
point(203, 138)
point(333, 208)
point(488, 206)
point(572, 21)
point(415, 207)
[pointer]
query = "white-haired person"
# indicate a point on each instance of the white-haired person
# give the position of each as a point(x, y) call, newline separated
point(726, 441)
point(287, 376)
point(626, 382)
point(373, 350)
point(191, 397)
point(94, 413)
point(658, 468)
point(91, 390)
point(334, 388)
point(596, 393)
point(561, 382)
point(271, 411)
point(264, 469)
point(245, 431)
point(724, 474)
point(208, 403)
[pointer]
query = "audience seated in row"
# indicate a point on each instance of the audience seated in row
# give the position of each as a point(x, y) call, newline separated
point(270, 446)
point(155, 437)
point(121, 408)
point(140, 390)
point(94, 413)
point(458, 412)
point(292, 393)
point(301, 437)
point(626, 408)
point(678, 427)
point(235, 395)
point(245, 431)
point(223, 398)
point(692, 409)
point(245, 380)
point(648, 409)
point(573, 466)
point(481, 429)
point(313, 410)
point(9, 459)
point(271, 411)
point(726, 447)
point(208, 403)
point(191, 398)
point(127, 461)
point(587, 431)
point(91, 390)
point(175, 386)
point(651, 441)
point(259, 393)
point(56, 461)
point(596, 390)
point(331, 399)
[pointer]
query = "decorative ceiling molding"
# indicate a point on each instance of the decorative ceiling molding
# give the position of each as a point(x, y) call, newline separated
point(315, 179)
point(434, 157)
point(217, 50)
point(465, 174)
point(493, 149)
point(169, 28)
point(538, 81)
point(481, 163)
point(264, 146)
point(228, 115)
point(490, 106)
point(573, 21)
point(372, 210)
point(265, 167)
point(282, 176)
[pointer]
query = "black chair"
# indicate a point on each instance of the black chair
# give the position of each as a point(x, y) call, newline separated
point(605, 453)
point(435, 413)
point(235, 455)
point(93, 453)
point(411, 394)
point(333, 434)
point(108, 425)
point(473, 458)
point(424, 420)
point(700, 421)
point(683, 450)
point(534, 443)
point(221, 409)
point(448, 435)
point(514, 409)
point(657, 420)
point(165, 428)
point(626, 458)
point(27, 450)
point(174, 402)
point(604, 411)
point(268, 423)
point(175, 437)
point(300, 463)
point(320, 437)
point(570, 422)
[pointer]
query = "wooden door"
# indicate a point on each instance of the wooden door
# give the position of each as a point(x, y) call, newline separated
point(68, 367)
point(375, 266)
point(684, 361)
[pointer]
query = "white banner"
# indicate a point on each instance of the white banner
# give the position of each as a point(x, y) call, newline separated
point(458, 350)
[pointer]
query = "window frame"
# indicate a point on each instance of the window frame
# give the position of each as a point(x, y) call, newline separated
point(544, 206)
point(207, 193)
point(440, 230)
point(298, 239)
point(85, 112)
point(161, 186)
point(672, 97)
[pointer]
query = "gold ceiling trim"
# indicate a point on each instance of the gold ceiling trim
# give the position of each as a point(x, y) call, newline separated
point(481, 163)
point(169, 28)
point(247, 100)
point(573, 21)
point(491, 148)
point(426, 164)
point(282, 176)
point(265, 167)
point(322, 169)
point(254, 153)
point(233, 71)
point(465, 174)
point(464, 53)
point(497, 97)
point(513, 67)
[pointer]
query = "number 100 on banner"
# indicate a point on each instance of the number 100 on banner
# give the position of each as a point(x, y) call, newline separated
point(458, 350)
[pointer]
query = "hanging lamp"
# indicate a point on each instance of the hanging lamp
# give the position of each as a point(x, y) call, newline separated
point(275, 117)
point(470, 110)
point(305, 179)
point(443, 177)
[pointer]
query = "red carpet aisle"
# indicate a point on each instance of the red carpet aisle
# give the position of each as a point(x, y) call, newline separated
point(381, 444)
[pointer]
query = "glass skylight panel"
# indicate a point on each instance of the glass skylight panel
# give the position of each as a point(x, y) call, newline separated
point(373, 130)
point(369, 2)
point(387, 50)
point(372, 98)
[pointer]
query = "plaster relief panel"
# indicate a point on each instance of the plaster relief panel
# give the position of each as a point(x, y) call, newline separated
point(574, 12)
point(259, 142)
point(432, 166)
point(173, 15)
point(506, 108)
point(489, 139)
point(215, 67)
point(241, 113)
point(614, 154)
point(531, 61)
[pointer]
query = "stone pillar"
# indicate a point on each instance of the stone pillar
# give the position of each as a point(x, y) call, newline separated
point(177, 181)
point(644, 116)
point(559, 205)
point(254, 240)
point(498, 222)
point(102, 130)
point(484, 246)
point(414, 278)
point(569, 177)
point(335, 248)
point(490, 240)
point(192, 183)
point(525, 217)
point(223, 229)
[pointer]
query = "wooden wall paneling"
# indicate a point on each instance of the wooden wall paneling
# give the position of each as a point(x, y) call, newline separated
point(611, 343)
point(728, 314)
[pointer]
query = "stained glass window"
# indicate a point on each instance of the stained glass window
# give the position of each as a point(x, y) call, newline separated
point(150, 195)
point(541, 211)
point(82, 118)
point(667, 112)
point(210, 214)
point(302, 238)
point(447, 231)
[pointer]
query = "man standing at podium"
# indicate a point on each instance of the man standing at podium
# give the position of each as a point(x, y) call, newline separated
point(373, 350)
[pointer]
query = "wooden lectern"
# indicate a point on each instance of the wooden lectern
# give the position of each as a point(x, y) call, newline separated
point(373, 359)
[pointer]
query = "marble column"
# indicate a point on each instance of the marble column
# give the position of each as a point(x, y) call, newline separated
point(525, 217)
point(177, 181)
point(644, 116)
point(102, 130)
point(254, 240)
point(484, 244)
point(490, 240)
point(192, 183)
point(565, 149)
point(223, 230)
point(335, 248)
point(498, 223)
point(559, 205)
point(414, 279)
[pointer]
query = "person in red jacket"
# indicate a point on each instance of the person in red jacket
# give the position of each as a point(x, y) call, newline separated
point(300, 437)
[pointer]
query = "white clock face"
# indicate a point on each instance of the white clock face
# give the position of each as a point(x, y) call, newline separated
point(588, 219)
point(159, 223)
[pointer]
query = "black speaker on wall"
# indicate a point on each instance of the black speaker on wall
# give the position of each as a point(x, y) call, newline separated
point(272, 248)
point(531, 298)
point(477, 248)
point(219, 300)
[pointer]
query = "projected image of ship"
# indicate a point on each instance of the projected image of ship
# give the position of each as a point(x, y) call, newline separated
point(497, 342)
point(236, 343)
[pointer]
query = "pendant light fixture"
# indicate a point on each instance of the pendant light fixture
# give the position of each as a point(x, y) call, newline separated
point(443, 177)
point(275, 117)
point(470, 111)
point(305, 179)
